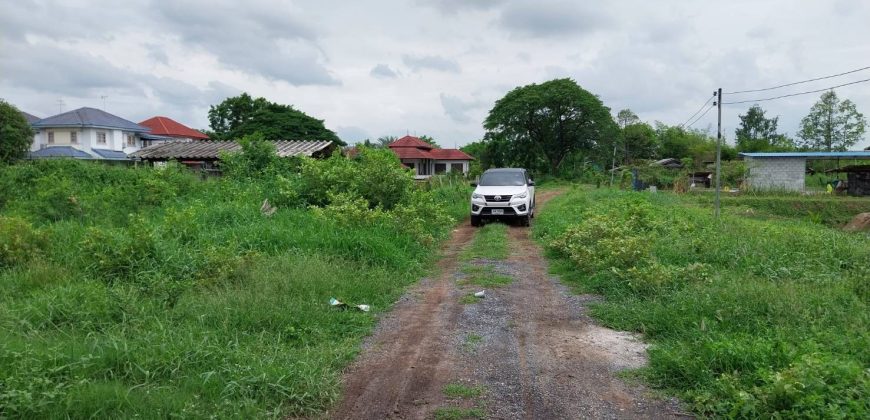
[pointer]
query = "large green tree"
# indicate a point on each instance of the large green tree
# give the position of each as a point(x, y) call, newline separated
point(758, 133)
point(243, 115)
point(639, 141)
point(832, 125)
point(678, 142)
point(626, 117)
point(545, 123)
point(15, 133)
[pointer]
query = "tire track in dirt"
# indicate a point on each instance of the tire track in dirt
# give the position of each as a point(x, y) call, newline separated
point(539, 357)
point(409, 359)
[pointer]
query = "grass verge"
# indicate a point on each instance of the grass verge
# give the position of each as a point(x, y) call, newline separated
point(130, 292)
point(748, 318)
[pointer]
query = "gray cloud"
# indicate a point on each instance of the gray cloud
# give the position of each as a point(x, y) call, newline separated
point(431, 62)
point(550, 18)
point(383, 71)
point(61, 71)
point(257, 37)
point(352, 134)
point(455, 6)
point(456, 108)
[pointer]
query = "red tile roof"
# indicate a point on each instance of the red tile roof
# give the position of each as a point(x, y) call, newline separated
point(411, 153)
point(163, 126)
point(411, 141)
point(449, 154)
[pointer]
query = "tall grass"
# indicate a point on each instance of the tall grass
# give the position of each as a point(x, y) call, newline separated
point(150, 293)
point(748, 318)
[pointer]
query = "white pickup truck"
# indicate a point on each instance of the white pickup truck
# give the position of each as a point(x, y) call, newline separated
point(503, 193)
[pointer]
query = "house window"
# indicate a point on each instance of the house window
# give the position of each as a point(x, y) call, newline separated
point(424, 167)
point(440, 168)
point(50, 137)
point(456, 167)
point(410, 165)
point(131, 140)
point(73, 137)
point(101, 137)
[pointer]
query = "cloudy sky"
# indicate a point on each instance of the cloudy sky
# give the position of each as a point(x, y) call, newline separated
point(387, 67)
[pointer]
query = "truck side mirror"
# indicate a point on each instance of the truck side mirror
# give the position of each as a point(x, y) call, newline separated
point(473, 184)
point(531, 183)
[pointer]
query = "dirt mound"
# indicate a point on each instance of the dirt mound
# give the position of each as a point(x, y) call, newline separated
point(861, 223)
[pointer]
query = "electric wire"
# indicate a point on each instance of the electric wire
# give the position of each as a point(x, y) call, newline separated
point(798, 83)
point(796, 94)
point(702, 116)
point(699, 110)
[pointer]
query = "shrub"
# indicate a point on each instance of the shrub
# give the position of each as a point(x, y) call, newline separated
point(19, 242)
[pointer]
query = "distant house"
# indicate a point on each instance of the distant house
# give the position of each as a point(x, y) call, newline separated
point(204, 155)
point(426, 160)
point(86, 133)
point(163, 128)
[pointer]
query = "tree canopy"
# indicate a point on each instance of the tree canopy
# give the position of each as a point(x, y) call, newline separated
point(832, 125)
point(540, 125)
point(243, 115)
point(758, 133)
point(15, 133)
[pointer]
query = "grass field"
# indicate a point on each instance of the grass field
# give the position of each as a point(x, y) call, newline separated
point(152, 294)
point(755, 316)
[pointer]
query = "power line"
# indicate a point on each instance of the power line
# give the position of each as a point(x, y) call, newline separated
point(699, 110)
point(797, 83)
point(702, 116)
point(796, 94)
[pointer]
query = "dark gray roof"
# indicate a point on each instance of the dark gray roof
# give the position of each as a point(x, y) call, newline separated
point(199, 149)
point(89, 117)
point(110, 154)
point(30, 117)
point(60, 152)
point(148, 136)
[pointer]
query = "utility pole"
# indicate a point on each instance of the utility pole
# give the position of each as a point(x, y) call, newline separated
point(613, 165)
point(103, 97)
point(718, 94)
point(60, 104)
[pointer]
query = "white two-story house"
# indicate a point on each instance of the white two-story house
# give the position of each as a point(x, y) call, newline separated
point(86, 133)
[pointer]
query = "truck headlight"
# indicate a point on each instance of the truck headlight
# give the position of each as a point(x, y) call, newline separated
point(476, 196)
point(523, 194)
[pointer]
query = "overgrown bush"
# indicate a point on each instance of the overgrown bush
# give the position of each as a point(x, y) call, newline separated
point(19, 242)
point(748, 318)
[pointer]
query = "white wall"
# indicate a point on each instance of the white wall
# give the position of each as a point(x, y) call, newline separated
point(776, 173)
point(87, 139)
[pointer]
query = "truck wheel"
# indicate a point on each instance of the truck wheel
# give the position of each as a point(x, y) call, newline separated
point(526, 220)
point(475, 221)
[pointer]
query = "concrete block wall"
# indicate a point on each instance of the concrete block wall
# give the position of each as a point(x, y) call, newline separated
point(776, 173)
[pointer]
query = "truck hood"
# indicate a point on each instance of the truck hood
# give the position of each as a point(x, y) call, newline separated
point(500, 190)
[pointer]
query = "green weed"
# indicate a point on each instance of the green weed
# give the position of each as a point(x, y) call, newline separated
point(484, 276)
point(138, 292)
point(457, 390)
point(490, 242)
point(749, 317)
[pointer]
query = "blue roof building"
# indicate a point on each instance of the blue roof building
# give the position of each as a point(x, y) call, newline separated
point(87, 133)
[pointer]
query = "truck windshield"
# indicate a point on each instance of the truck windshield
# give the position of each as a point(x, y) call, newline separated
point(491, 179)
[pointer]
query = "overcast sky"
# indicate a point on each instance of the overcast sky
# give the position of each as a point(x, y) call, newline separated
point(374, 68)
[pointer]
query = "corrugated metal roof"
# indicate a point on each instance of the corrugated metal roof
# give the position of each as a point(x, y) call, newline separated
point(110, 154)
point(849, 154)
point(60, 152)
point(89, 117)
point(211, 149)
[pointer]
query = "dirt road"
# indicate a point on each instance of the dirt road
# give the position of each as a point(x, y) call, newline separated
point(529, 346)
